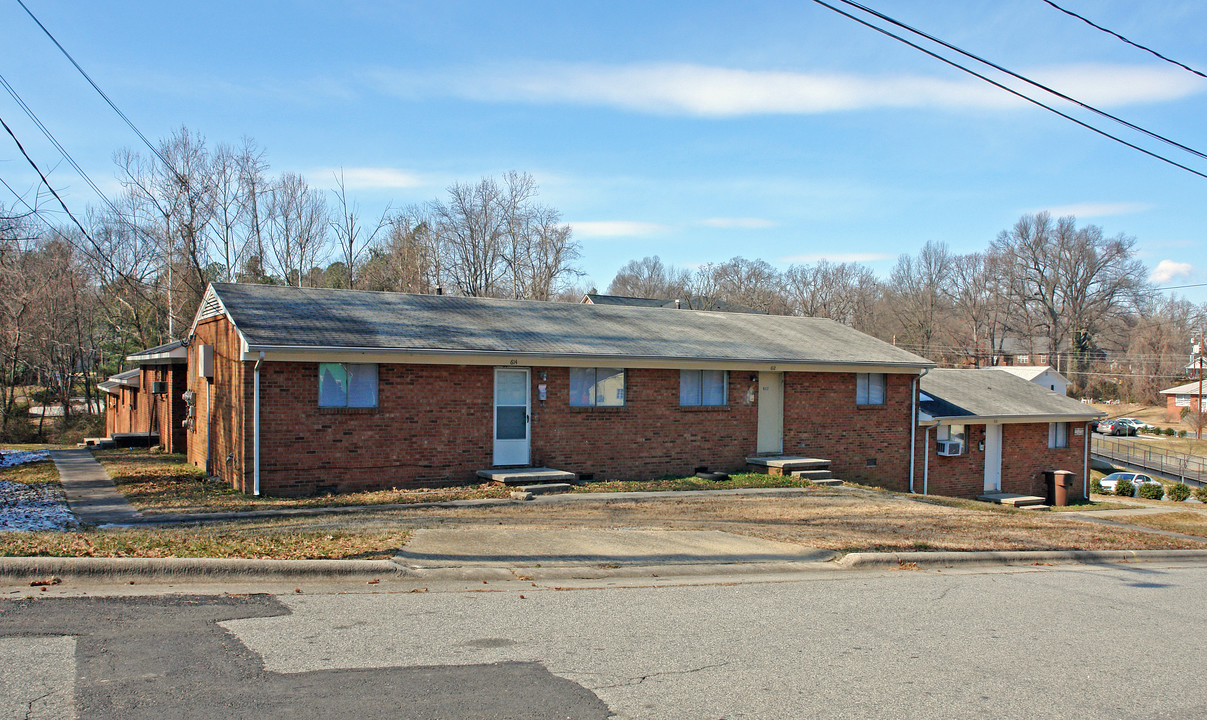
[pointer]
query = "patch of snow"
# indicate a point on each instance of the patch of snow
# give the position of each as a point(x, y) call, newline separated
point(32, 508)
point(8, 458)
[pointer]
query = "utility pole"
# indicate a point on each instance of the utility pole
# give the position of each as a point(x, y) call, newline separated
point(1198, 410)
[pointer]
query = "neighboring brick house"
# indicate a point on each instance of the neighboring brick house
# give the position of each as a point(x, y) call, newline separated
point(148, 400)
point(989, 431)
point(1182, 399)
point(121, 409)
point(298, 390)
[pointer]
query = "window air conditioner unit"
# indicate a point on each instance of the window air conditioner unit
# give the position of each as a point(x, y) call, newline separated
point(949, 448)
point(159, 387)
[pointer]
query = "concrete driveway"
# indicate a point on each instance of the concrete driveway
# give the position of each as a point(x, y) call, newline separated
point(511, 546)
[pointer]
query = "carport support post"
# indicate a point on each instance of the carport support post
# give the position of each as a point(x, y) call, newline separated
point(1085, 473)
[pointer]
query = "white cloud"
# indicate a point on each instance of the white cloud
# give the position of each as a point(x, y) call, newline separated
point(617, 228)
point(838, 257)
point(687, 89)
point(1167, 270)
point(368, 178)
point(1098, 209)
point(747, 222)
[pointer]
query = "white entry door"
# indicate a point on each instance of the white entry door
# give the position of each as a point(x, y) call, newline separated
point(993, 458)
point(771, 413)
point(512, 439)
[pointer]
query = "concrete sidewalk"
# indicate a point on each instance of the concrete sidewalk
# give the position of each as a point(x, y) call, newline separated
point(523, 547)
point(91, 494)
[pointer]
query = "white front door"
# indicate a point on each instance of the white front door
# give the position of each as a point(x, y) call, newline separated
point(993, 458)
point(511, 416)
point(771, 413)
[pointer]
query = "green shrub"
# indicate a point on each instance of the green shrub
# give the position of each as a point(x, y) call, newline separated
point(1096, 487)
point(1177, 493)
point(1200, 494)
point(1181, 433)
point(1149, 491)
point(1125, 488)
point(1169, 432)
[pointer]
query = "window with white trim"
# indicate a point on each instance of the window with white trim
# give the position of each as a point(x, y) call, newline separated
point(950, 432)
point(1181, 400)
point(1058, 435)
point(703, 388)
point(596, 387)
point(869, 388)
point(351, 385)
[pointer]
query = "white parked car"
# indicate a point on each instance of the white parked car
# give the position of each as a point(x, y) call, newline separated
point(1138, 424)
point(1110, 481)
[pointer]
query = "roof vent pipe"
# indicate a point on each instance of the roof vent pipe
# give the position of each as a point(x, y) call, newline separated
point(678, 306)
point(439, 290)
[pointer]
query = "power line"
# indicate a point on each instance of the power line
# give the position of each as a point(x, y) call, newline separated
point(96, 87)
point(1129, 42)
point(1180, 287)
point(47, 183)
point(1033, 83)
point(1016, 93)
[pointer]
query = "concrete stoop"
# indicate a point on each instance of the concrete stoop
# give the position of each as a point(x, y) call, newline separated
point(787, 464)
point(1022, 502)
point(527, 475)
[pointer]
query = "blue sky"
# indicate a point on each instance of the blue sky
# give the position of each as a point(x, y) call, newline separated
point(695, 131)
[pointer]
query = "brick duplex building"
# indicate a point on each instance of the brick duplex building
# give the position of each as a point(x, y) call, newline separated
point(148, 401)
point(291, 391)
point(989, 431)
point(298, 390)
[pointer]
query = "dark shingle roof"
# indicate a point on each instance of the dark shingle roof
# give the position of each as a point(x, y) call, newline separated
point(689, 304)
point(992, 393)
point(275, 317)
point(167, 347)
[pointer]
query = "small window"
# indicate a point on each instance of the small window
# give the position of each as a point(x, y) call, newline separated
point(951, 432)
point(596, 387)
point(703, 387)
point(347, 385)
point(1181, 400)
point(869, 388)
point(1058, 435)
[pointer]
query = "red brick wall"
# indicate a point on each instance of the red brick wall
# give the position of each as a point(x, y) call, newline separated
point(122, 411)
point(650, 436)
point(1173, 413)
point(164, 413)
point(224, 414)
point(1025, 456)
point(433, 426)
point(822, 420)
point(958, 476)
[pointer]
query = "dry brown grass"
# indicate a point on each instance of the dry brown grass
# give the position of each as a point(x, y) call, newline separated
point(1185, 522)
point(283, 540)
point(159, 483)
point(846, 520)
point(35, 473)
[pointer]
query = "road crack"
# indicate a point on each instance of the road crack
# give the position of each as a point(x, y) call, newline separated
point(642, 678)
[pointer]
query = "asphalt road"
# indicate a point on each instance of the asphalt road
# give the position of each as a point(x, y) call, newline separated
point(1124, 641)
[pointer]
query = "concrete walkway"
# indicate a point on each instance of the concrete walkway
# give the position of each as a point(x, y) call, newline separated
point(91, 494)
point(528, 547)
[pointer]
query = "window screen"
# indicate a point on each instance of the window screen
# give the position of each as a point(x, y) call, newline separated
point(1058, 435)
point(596, 387)
point(347, 385)
point(702, 387)
point(869, 388)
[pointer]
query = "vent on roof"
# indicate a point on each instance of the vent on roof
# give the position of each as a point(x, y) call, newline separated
point(210, 307)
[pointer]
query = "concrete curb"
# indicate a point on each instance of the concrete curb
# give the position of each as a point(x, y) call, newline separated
point(205, 570)
point(868, 561)
point(194, 569)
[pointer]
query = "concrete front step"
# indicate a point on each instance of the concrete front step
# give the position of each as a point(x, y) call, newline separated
point(527, 476)
point(828, 482)
point(545, 488)
point(784, 464)
point(1014, 499)
point(814, 475)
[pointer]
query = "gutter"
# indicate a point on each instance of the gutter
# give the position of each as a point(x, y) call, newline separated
point(913, 427)
point(255, 487)
point(926, 465)
point(1085, 470)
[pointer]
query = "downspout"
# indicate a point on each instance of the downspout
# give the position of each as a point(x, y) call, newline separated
point(913, 427)
point(926, 464)
point(1085, 471)
point(255, 486)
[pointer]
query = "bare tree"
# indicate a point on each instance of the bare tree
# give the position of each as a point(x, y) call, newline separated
point(295, 225)
point(351, 237)
point(649, 277)
point(846, 292)
point(919, 289)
